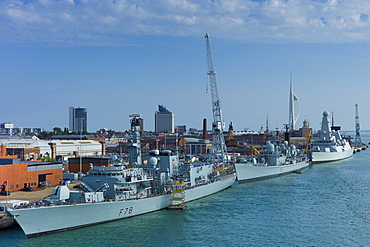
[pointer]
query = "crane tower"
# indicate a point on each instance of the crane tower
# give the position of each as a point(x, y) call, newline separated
point(357, 125)
point(218, 150)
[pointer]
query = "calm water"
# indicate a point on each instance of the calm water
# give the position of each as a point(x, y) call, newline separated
point(326, 205)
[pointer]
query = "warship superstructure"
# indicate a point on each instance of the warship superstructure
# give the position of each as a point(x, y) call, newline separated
point(277, 158)
point(274, 160)
point(330, 146)
point(120, 191)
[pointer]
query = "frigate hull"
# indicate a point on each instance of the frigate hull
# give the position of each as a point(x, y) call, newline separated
point(41, 220)
point(247, 172)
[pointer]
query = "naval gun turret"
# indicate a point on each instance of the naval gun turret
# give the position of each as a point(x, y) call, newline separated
point(60, 193)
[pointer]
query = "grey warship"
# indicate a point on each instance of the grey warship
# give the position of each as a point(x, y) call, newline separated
point(118, 192)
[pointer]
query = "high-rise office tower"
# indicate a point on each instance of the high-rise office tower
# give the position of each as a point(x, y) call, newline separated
point(164, 120)
point(77, 119)
point(141, 124)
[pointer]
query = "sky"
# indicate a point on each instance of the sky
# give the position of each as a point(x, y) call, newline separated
point(118, 57)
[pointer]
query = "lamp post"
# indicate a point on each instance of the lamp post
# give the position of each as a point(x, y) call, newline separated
point(80, 152)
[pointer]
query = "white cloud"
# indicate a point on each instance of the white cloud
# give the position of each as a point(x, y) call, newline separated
point(96, 21)
point(20, 16)
point(110, 20)
point(182, 5)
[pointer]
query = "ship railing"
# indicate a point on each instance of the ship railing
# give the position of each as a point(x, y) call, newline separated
point(124, 189)
point(136, 197)
point(201, 184)
point(49, 204)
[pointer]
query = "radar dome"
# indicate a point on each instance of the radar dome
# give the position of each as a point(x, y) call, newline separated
point(325, 114)
point(153, 161)
point(154, 152)
point(270, 147)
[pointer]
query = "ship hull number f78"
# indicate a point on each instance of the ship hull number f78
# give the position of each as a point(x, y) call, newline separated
point(125, 211)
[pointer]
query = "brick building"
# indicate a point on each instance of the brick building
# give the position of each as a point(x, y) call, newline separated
point(29, 174)
point(82, 164)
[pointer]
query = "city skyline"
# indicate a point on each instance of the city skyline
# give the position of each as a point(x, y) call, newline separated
point(117, 58)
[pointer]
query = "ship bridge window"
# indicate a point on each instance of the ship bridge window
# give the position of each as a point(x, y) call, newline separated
point(56, 191)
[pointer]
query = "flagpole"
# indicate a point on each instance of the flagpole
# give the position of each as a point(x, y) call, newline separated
point(7, 196)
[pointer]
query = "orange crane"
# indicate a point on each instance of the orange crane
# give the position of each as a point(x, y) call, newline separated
point(255, 149)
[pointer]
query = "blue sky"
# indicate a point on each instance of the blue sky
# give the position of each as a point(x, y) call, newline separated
point(121, 57)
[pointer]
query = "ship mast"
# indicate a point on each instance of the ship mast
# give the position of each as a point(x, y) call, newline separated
point(357, 125)
point(218, 149)
point(134, 144)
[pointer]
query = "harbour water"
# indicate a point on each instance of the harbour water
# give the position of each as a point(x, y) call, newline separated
point(326, 205)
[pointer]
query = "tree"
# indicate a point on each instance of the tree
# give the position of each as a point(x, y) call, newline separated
point(58, 131)
point(45, 134)
point(46, 158)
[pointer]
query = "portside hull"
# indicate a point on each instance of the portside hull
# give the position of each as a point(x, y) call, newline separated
point(38, 221)
point(320, 157)
point(246, 172)
point(212, 188)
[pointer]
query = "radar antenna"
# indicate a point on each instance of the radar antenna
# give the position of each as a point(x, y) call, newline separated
point(218, 149)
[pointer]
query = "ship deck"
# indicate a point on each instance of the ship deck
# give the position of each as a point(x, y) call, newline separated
point(36, 195)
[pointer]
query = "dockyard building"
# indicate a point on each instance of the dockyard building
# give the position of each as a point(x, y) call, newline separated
point(20, 174)
point(34, 149)
point(9, 129)
point(83, 164)
point(189, 145)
